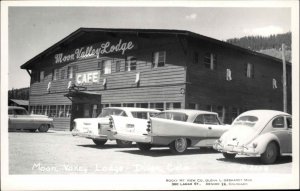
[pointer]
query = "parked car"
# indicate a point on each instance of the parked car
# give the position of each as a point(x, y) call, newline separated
point(98, 128)
point(264, 133)
point(20, 119)
point(177, 129)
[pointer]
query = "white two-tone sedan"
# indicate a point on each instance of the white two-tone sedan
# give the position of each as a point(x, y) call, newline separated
point(264, 133)
point(177, 129)
point(98, 128)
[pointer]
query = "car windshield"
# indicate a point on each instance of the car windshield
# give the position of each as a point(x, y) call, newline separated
point(248, 121)
point(177, 116)
point(110, 111)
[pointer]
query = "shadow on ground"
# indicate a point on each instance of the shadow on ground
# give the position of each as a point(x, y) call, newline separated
point(256, 160)
point(165, 151)
point(106, 146)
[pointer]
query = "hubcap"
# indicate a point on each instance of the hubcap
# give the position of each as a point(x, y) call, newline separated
point(180, 144)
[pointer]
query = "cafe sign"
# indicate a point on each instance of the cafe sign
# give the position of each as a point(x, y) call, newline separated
point(90, 51)
point(87, 78)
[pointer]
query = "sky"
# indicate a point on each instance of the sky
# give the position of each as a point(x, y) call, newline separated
point(31, 30)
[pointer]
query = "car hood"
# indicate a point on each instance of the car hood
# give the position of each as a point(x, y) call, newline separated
point(239, 135)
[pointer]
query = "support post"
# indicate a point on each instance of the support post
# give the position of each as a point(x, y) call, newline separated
point(284, 79)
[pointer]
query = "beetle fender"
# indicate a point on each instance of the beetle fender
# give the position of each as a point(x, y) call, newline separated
point(263, 140)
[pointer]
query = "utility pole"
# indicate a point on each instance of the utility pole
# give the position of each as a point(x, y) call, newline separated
point(284, 79)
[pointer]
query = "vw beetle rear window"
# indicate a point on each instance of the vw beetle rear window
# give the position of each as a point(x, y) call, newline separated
point(249, 121)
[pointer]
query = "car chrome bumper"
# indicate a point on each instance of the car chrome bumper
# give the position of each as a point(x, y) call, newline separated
point(241, 150)
point(88, 135)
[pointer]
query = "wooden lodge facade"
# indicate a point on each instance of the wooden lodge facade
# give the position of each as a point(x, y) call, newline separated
point(95, 68)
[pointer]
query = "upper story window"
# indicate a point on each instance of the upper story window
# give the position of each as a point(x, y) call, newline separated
point(105, 66)
point(42, 75)
point(55, 74)
point(249, 70)
point(159, 59)
point(35, 76)
point(130, 63)
point(71, 71)
point(118, 65)
point(210, 61)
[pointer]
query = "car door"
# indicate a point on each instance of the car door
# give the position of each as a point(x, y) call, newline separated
point(283, 133)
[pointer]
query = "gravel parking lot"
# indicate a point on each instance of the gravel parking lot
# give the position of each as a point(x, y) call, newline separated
point(58, 152)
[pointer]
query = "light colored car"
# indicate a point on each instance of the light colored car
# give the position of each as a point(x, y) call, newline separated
point(264, 133)
point(98, 128)
point(177, 129)
point(20, 119)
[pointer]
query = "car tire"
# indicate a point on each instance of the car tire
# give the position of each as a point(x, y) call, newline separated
point(271, 153)
point(99, 142)
point(229, 155)
point(43, 128)
point(123, 144)
point(144, 146)
point(179, 146)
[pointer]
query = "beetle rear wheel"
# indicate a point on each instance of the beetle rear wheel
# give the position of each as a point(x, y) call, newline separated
point(43, 128)
point(271, 154)
point(229, 155)
point(144, 146)
point(179, 146)
point(123, 144)
point(99, 142)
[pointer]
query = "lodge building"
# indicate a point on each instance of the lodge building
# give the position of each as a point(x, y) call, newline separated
point(93, 68)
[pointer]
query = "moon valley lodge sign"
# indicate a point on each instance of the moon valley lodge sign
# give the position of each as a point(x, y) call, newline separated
point(90, 51)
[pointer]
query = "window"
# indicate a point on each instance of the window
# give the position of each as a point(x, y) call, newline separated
point(55, 74)
point(173, 105)
point(228, 75)
point(248, 121)
point(278, 122)
point(45, 110)
point(192, 106)
point(62, 74)
point(176, 116)
point(196, 58)
point(159, 59)
point(158, 106)
point(128, 104)
point(42, 75)
point(71, 71)
point(130, 63)
point(210, 61)
point(142, 105)
point(61, 111)
point(210, 119)
point(118, 66)
point(115, 105)
point(249, 70)
point(105, 66)
point(52, 111)
point(68, 110)
point(39, 109)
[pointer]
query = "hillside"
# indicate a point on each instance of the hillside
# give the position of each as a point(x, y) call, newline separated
point(270, 45)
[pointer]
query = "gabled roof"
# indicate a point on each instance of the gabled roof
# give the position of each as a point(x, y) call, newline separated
point(20, 102)
point(81, 31)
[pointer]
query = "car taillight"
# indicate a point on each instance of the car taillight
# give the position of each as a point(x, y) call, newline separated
point(111, 122)
point(148, 126)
